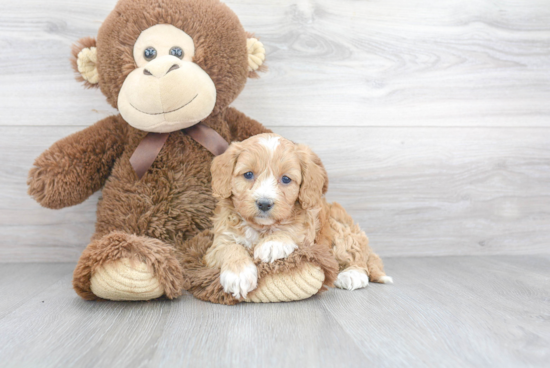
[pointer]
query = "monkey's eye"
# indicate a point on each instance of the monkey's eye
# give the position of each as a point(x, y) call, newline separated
point(248, 175)
point(177, 52)
point(150, 53)
point(286, 180)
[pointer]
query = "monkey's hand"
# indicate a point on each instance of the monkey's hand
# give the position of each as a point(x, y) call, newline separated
point(75, 167)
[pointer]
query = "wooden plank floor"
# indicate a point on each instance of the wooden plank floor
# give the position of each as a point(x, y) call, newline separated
point(489, 311)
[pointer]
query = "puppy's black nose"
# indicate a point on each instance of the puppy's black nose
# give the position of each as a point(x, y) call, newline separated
point(264, 204)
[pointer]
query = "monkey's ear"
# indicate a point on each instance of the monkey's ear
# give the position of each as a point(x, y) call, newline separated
point(256, 57)
point(84, 62)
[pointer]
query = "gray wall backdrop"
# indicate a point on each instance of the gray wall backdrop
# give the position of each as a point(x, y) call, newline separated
point(432, 117)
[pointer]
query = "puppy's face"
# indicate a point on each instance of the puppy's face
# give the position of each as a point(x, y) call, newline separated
point(266, 176)
point(266, 179)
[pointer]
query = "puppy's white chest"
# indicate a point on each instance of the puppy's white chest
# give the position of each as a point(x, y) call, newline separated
point(249, 238)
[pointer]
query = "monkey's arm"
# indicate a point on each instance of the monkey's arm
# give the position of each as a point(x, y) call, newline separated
point(73, 168)
point(243, 127)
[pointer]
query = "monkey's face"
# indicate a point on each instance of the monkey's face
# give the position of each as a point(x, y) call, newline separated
point(167, 91)
point(168, 65)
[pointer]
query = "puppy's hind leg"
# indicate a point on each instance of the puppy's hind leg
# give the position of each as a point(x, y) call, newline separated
point(349, 247)
point(355, 277)
point(358, 263)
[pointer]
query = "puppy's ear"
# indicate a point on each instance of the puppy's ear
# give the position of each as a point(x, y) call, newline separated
point(314, 178)
point(222, 171)
point(84, 62)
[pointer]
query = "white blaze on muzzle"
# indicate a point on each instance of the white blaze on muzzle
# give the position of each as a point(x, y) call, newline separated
point(266, 188)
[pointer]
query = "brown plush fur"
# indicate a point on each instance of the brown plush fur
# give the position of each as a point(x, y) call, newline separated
point(149, 219)
point(77, 166)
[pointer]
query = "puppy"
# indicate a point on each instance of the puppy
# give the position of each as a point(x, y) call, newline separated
point(271, 201)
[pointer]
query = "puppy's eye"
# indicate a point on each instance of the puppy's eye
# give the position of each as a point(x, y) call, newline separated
point(286, 180)
point(248, 175)
point(150, 53)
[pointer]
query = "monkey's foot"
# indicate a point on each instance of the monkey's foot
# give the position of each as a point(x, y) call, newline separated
point(126, 279)
point(121, 266)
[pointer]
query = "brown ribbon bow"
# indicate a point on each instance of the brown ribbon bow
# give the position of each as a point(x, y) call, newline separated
point(148, 149)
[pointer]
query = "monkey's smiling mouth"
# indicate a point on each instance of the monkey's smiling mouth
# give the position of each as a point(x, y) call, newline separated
point(165, 112)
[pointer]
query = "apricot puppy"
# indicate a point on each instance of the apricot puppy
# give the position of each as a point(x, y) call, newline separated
point(271, 201)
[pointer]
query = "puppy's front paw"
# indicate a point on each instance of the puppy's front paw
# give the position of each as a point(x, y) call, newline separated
point(351, 280)
point(241, 283)
point(273, 250)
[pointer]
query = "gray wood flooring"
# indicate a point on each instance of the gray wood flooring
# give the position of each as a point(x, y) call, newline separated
point(481, 311)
